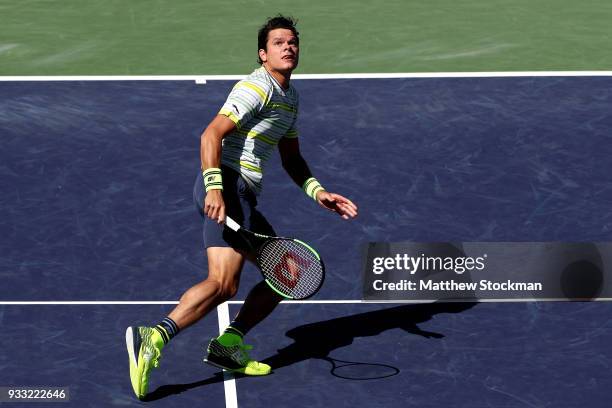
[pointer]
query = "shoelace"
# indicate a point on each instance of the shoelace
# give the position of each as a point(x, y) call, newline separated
point(156, 358)
point(243, 355)
point(153, 356)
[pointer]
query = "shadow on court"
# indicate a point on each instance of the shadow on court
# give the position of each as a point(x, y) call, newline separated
point(318, 340)
point(173, 389)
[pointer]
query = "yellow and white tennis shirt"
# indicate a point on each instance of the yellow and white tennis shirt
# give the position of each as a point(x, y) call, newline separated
point(264, 113)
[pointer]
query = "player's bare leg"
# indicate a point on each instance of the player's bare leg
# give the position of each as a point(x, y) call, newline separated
point(224, 267)
point(145, 344)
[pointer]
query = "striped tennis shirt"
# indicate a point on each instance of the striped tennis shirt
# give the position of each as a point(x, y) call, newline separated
point(264, 113)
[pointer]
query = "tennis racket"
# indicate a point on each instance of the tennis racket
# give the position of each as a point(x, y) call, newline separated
point(289, 266)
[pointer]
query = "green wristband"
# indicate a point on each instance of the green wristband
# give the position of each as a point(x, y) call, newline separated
point(212, 179)
point(311, 187)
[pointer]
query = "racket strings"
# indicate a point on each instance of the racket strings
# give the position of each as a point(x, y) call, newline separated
point(291, 267)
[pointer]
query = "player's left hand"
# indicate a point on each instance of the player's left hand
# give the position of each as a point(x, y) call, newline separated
point(337, 203)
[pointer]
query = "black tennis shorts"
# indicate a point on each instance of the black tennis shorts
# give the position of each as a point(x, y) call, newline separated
point(240, 204)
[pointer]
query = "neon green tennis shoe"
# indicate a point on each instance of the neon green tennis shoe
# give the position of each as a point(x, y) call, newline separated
point(228, 352)
point(144, 345)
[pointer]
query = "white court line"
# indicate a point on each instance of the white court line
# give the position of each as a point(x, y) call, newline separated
point(229, 383)
point(90, 302)
point(287, 302)
point(201, 79)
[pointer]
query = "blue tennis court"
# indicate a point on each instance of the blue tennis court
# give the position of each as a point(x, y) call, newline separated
point(96, 181)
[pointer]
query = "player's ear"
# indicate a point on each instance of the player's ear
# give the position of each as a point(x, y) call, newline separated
point(262, 55)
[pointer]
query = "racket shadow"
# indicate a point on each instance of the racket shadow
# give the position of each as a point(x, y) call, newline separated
point(318, 340)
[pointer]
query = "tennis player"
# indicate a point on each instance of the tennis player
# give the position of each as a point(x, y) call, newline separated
point(259, 114)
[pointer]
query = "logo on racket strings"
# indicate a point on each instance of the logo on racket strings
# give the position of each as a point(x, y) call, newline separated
point(288, 270)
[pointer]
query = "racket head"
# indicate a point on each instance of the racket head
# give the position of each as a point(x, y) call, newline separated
point(360, 371)
point(292, 268)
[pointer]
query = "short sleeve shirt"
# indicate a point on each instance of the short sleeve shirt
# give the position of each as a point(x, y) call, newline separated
point(264, 113)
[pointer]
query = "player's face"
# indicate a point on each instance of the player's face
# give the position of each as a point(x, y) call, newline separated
point(282, 53)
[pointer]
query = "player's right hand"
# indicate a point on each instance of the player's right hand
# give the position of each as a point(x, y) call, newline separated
point(214, 206)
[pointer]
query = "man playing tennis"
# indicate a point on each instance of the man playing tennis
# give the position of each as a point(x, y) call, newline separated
point(260, 113)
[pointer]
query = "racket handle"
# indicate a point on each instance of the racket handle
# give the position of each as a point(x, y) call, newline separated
point(231, 224)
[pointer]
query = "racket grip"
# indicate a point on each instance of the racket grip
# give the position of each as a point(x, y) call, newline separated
point(231, 224)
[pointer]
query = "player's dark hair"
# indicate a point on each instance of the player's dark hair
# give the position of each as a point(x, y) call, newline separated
point(273, 23)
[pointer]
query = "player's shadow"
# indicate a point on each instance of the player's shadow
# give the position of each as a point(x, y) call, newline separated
point(318, 340)
point(171, 389)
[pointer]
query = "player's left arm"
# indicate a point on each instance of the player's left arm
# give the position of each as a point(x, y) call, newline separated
point(297, 168)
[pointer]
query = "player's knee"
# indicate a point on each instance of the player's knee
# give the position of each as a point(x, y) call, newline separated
point(223, 290)
point(228, 290)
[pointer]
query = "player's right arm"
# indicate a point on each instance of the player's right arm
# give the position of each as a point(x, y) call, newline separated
point(245, 100)
point(210, 156)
